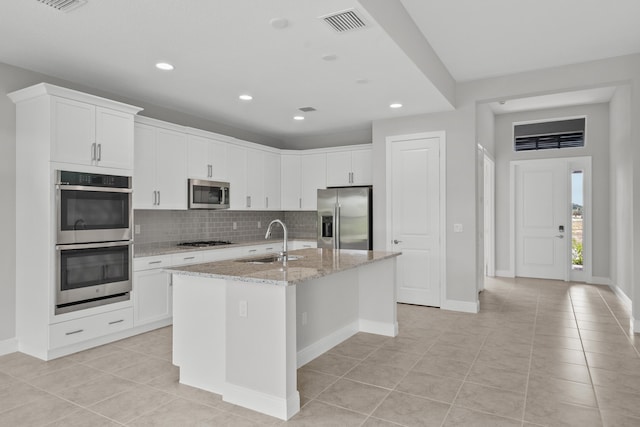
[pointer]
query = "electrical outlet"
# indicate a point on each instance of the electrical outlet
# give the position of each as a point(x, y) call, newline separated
point(137, 228)
point(457, 228)
point(235, 225)
point(304, 318)
point(242, 309)
point(259, 224)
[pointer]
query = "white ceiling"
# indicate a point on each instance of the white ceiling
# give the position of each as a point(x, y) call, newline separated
point(224, 48)
point(486, 38)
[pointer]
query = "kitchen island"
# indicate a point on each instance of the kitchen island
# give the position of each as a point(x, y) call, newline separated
point(243, 327)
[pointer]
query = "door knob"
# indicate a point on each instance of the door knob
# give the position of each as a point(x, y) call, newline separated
point(396, 241)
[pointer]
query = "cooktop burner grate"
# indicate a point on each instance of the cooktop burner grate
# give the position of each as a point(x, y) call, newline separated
point(205, 243)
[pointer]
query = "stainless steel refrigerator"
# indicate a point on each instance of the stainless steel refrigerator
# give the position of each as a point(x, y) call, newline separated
point(344, 218)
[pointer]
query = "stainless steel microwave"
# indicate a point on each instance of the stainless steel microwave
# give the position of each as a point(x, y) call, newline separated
point(205, 194)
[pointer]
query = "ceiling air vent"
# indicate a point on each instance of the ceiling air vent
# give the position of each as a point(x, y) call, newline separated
point(344, 21)
point(63, 5)
point(306, 109)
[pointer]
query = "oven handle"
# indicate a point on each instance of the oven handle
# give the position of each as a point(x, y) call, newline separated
point(87, 188)
point(94, 245)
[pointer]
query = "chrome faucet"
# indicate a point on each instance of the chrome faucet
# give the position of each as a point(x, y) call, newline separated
point(283, 254)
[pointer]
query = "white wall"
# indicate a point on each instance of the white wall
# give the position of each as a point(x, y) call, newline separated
point(459, 126)
point(621, 191)
point(596, 146)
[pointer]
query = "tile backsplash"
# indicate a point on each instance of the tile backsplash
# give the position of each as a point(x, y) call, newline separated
point(167, 228)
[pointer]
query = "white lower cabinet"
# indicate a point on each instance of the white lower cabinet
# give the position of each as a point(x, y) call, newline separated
point(86, 328)
point(153, 296)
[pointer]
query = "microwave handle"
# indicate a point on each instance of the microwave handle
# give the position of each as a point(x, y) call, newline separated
point(224, 195)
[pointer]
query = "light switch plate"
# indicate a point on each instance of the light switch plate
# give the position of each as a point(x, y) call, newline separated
point(242, 309)
point(457, 228)
point(137, 228)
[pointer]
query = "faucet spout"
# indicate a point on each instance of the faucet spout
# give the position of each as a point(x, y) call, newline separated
point(283, 254)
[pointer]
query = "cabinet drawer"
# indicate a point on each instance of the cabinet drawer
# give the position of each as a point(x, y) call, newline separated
point(186, 258)
point(86, 328)
point(151, 262)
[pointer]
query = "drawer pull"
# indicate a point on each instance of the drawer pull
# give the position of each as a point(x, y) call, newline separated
point(116, 321)
point(74, 332)
point(253, 250)
point(189, 257)
point(269, 249)
point(306, 246)
point(155, 262)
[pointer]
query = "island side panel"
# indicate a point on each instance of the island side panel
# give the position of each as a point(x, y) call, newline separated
point(199, 331)
point(378, 298)
point(327, 313)
point(261, 348)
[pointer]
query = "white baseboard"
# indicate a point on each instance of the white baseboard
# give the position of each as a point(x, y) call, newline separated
point(464, 306)
point(622, 296)
point(314, 350)
point(380, 328)
point(595, 280)
point(262, 402)
point(505, 273)
point(8, 346)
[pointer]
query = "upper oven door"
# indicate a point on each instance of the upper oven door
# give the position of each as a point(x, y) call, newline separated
point(93, 214)
point(208, 194)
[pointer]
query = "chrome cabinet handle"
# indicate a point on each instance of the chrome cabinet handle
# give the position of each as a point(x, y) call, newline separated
point(266, 202)
point(74, 332)
point(209, 171)
point(253, 250)
point(248, 201)
point(189, 257)
point(155, 262)
point(300, 202)
point(116, 321)
point(99, 152)
point(93, 151)
point(158, 197)
point(155, 197)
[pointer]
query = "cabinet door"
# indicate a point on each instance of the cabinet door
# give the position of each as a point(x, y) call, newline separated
point(272, 181)
point(152, 292)
point(237, 172)
point(171, 169)
point(74, 131)
point(362, 168)
point(218, 160)
point(198, 165)
point(338, 168)
point(255, 179)
point(114, 136)
point(314, 176)
point(291, 182)
point(144, 169)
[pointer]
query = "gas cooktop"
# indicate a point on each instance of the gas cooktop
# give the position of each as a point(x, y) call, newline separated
point(204, 243)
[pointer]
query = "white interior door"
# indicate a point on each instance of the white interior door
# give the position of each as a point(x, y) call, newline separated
point(541, 206)
point(415, 213)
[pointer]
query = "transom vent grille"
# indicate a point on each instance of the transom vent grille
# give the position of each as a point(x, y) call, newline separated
point(63, 5)
point(306, 109)
point(549, 135)
point(347, 20)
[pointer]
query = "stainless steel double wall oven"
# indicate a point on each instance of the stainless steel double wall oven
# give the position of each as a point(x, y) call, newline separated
point(94, 240)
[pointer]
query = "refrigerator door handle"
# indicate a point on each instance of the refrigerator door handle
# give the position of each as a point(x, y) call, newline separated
point(336, 231)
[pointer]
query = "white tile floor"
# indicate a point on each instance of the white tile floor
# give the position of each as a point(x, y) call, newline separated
point(538, 353)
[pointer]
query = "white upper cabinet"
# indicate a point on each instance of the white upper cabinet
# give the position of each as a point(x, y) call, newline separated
point(160, 168)
point(349, 167)
point(237, 173)
point(302, 176)
point(272, 190)
point(90, 135)
point(291, 182)
point(314, 177)
point(207, 158)
point(255, 198)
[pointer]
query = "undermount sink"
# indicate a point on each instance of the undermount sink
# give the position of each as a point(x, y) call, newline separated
point(270, 259)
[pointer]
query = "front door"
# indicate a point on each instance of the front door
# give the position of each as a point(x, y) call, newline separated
point(541, 219)
point(415, 216)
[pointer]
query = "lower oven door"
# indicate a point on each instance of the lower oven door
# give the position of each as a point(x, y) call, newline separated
point(92, 271)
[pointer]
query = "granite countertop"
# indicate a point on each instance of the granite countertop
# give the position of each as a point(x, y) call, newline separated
point(313, 264)
point(144, 249)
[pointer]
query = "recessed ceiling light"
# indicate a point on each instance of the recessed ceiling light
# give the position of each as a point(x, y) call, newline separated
point(246, 97)
point(396, 105)
point(279, 23)
point(164, 66)
point(298, 117)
